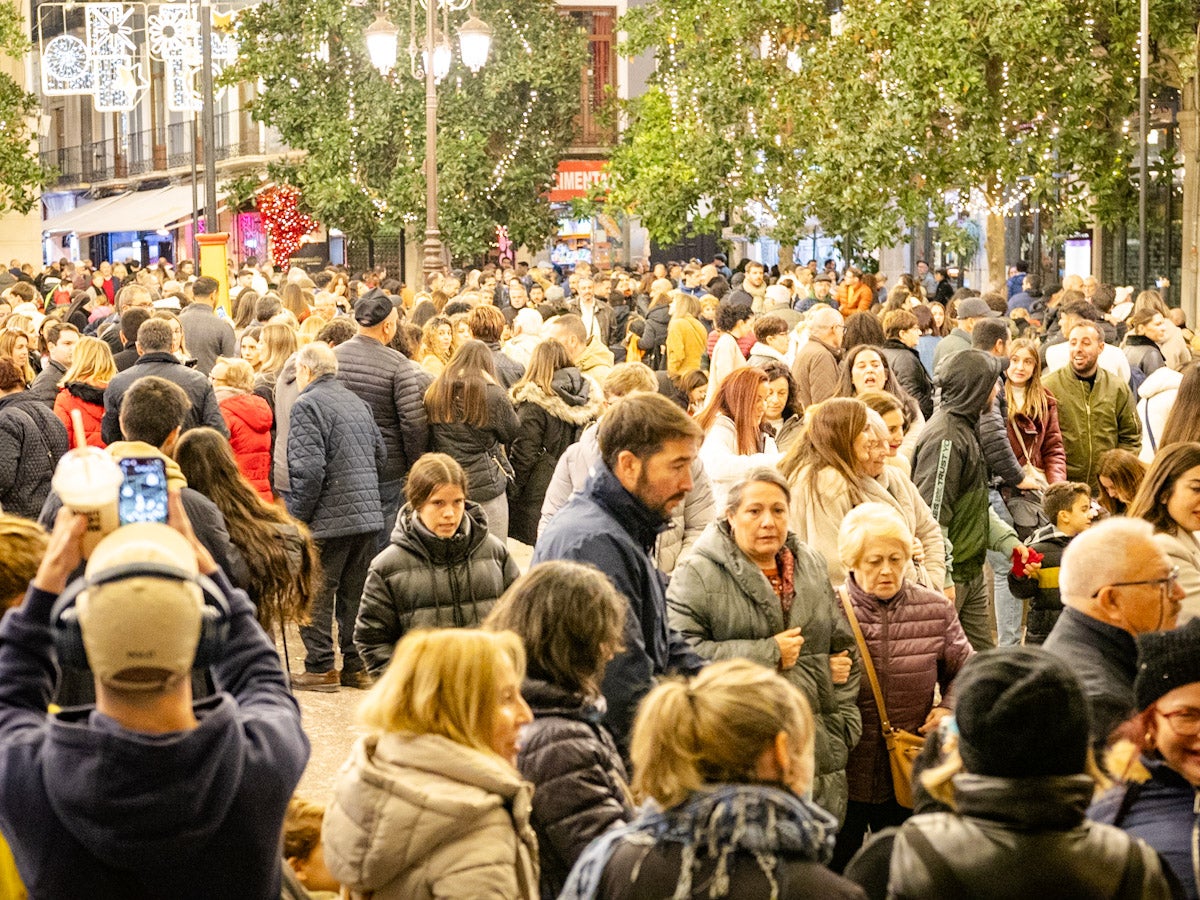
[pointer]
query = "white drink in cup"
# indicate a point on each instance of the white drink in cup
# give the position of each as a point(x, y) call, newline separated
point(88, 481)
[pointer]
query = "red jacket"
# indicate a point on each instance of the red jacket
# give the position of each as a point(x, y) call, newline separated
point(1043, 440)
point(90, 403)
point(249, 420)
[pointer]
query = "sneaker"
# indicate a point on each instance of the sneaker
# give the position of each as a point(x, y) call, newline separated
point(360, 679)
point(316, 681)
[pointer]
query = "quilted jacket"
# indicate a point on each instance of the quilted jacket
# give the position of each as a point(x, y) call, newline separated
point(548, 426)
point(580, 787)
point(419, 817)
point(335, 453)
point(906, 363)
point(204, 409)
point(393, 388)
point(915, 642)
point(249, 419)
point(725, 608)
point(423, 581)
point(479, 450)
point(90, 403)
point(1041, 590)
point(32, 441)
point(508, 370)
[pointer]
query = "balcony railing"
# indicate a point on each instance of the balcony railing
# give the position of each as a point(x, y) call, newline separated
point(142, 152)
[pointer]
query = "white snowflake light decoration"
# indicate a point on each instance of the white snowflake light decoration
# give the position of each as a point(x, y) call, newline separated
point(66, 66)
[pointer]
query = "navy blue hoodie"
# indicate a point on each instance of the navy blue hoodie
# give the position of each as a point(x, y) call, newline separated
point(93, 810)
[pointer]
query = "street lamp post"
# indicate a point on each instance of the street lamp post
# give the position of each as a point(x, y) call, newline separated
point(1143, 137)
point(474, 43)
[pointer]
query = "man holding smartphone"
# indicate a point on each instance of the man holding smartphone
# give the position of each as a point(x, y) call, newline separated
point(148, 794)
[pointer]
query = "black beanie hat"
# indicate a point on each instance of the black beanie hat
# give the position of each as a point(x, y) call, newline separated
point(1167, 660)
point(1021, 713)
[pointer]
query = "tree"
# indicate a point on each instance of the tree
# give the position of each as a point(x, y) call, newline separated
point(907, 110)
point(21, 175)
point(501, 132)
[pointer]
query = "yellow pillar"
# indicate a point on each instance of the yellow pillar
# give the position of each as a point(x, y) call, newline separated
point(214, 262)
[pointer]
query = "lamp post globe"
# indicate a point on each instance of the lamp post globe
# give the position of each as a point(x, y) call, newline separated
point(382, 39)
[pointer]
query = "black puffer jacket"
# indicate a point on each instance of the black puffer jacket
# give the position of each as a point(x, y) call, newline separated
point(1021, 837)
point(204, 409)
point(1142, 353)
point(394, 390)
point(32, 441)
point(911, 373)
point(508, 370)
point(654, 338)
point(580, 784)
point(423, 581)
point(479, 450)
point(548, 426)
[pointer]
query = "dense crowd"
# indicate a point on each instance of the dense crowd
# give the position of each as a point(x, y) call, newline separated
point(837, 589)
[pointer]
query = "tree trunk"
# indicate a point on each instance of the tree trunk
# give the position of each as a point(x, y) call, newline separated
point(787, 257)
point(994, 246)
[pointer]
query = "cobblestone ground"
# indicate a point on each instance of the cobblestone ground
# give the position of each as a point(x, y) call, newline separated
point(329, 718)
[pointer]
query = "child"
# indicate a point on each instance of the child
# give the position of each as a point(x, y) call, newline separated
point(305, 874)
point(1068, 506)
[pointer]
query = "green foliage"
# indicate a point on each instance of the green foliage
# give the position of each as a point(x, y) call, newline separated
point(364, 134)
point(239, 192)
point(913, 110)
point(21, 175)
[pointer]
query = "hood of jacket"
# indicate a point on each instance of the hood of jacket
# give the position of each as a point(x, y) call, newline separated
point(967, 385)
point(101, 795)
point(572, 400)
point(85, 392)
point(547, 699)
point(594, 354)
point(1052, 803)
point(1159, 381)
point(119, 450)
point(439, 787)
point(250, 408)
point(411, 534)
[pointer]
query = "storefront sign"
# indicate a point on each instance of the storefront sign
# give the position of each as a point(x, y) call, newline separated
point(575, 177)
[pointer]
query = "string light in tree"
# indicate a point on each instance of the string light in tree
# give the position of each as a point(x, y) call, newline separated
point(282, 220)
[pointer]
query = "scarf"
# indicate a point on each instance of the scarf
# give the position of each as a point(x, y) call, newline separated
point(757, 820)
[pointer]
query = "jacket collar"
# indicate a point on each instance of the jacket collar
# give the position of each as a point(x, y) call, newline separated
point(1115, 643)
point(642, 524)
point(547, 699)
point(1055, 802)
point(163, 356)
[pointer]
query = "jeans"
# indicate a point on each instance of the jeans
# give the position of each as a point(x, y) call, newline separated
point(389, 499)
point(970, 599)
point(1008, 607)
point(497, 516)
point(345, 561)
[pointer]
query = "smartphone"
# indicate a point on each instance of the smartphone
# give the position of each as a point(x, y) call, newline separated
point(143, 496)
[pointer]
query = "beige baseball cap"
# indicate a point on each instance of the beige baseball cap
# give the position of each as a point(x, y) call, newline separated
point(141, 632)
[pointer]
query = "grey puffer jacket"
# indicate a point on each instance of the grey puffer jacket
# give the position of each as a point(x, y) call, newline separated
point(393, 387)
point(723, 605)
point(580, 788)
point(32, 441)
point(335, 454)
point(916, 642)
point(688, 523)
point(548, 426)
point(423, 581)
point(1021, 837)
point(480, 451)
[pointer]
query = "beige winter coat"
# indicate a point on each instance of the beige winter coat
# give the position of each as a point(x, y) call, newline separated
point(420, 817)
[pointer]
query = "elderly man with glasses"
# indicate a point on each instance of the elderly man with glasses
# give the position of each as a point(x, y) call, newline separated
point(1116, 584)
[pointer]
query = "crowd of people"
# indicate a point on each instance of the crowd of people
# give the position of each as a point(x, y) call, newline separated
point(836, 589)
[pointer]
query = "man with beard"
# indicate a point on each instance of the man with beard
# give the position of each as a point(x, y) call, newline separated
point(647, 447)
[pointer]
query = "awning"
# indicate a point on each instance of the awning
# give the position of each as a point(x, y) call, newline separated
point(168, 208)
point(68, 220)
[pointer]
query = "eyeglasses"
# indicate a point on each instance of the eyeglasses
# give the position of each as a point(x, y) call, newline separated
point(1184, 722)
point(1168, 585)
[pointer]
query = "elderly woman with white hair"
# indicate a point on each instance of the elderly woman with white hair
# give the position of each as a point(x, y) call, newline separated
point(526, 334)
point(916, 644)
point(750, 590)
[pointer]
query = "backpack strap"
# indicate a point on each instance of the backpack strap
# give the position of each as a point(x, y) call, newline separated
point(1149, 427)
point(944, 883)
point(1131, 884)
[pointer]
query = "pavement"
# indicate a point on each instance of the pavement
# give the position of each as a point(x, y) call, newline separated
point(328, 718)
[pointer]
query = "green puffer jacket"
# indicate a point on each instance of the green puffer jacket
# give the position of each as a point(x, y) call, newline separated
point(725, 608)
point(1093, 419)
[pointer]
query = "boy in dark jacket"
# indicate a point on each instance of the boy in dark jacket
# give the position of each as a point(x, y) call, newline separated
point(1068, 506)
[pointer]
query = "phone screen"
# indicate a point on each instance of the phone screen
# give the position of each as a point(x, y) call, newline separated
point(143, 490)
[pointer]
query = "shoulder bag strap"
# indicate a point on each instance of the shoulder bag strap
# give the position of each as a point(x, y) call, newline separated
point(1149, 427)
point(945, 882)
point(866, 658)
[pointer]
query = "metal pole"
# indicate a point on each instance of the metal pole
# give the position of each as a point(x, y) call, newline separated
point(195, 198)
point(1143, 150)
point(208, 120)
point(433, 240)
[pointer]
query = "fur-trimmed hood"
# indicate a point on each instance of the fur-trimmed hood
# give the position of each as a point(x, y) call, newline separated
point(574, 400)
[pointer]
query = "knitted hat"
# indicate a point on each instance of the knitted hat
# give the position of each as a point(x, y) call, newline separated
point(1021, 713)
point(1167, 660)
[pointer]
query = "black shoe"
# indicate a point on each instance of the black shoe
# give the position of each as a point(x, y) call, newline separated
point(360, 679)
point(327, 682)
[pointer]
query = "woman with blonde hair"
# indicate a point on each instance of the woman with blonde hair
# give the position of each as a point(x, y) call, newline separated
point(92, 368)
point(249, 420)
point(276, 343)
point(430, 803)
point(727, 759)
point(437, 345)
point(686, 338)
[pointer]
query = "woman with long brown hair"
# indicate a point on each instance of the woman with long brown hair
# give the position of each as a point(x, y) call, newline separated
point(736, 439)
point(472, 420)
